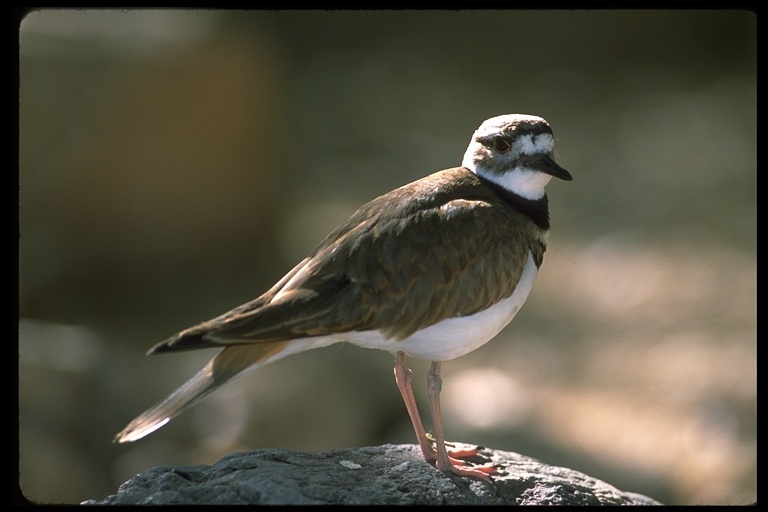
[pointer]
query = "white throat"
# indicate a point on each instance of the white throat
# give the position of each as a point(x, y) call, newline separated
point(522, 181)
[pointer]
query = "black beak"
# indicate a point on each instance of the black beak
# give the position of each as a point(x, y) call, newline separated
point(549, 166)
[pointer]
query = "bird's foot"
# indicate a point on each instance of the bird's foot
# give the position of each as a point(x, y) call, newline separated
point(466, 455)
point(465, 461)
point(484, 472)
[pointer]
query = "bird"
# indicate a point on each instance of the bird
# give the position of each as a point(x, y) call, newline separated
point(431, 270)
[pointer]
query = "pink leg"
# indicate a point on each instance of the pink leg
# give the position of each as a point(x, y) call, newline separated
point(403, 379)
point(444, 461)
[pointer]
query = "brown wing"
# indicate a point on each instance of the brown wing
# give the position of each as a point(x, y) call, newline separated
point(398, 265)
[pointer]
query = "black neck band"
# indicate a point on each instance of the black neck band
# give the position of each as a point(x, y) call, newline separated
point(536, 209)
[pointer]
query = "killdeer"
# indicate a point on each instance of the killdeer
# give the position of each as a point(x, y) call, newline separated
point(432, 270)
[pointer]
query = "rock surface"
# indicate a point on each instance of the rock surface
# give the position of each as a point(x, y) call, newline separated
point(380, 475)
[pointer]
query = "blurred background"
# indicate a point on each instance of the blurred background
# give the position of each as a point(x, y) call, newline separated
point(175, 164)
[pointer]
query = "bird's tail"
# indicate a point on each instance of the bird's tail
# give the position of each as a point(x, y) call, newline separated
point(231, 362)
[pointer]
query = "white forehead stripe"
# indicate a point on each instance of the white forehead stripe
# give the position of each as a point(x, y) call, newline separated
point(536, 144)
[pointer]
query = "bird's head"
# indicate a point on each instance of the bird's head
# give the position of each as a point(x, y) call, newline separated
point(515, 152)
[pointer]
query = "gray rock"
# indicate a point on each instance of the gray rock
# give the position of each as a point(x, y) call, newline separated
point(380, 475)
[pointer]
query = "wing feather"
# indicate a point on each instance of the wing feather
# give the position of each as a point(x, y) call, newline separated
point(396, 265)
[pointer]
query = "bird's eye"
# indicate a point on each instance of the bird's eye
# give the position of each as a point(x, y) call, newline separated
point(501, 144)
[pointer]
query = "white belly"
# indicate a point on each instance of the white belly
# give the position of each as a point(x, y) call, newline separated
point(442, 341)
point(455, 337)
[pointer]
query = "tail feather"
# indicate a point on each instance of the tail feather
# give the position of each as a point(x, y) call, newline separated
point(231, 362)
